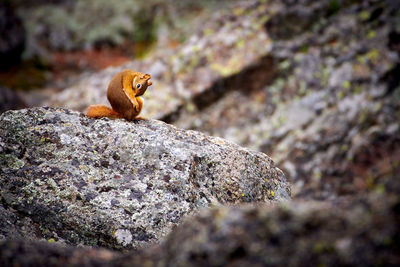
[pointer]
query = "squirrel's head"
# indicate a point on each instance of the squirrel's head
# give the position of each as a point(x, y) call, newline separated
point(141, 82)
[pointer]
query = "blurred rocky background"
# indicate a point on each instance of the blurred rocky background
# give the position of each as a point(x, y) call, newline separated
point(313, 84)
point(48, 42)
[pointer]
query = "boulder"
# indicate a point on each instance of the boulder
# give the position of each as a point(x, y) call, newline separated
point(115, 183)
point(330, 116)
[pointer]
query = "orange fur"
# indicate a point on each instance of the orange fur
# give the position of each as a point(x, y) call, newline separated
point(100, 111)
point(123, 93)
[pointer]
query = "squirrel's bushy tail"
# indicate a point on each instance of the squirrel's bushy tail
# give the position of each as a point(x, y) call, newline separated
point(100, 111)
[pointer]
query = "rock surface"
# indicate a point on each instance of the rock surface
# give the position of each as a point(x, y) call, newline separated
point(364, 232)
point(321, 96)
point(329, 118)
point(118, 184)
point(23, 253)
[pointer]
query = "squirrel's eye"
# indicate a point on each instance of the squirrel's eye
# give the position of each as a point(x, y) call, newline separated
point(138, 85)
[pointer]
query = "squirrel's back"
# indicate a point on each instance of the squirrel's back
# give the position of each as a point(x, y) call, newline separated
point(118, 98)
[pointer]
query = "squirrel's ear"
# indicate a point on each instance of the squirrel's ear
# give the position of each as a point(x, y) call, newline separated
point(147, 76)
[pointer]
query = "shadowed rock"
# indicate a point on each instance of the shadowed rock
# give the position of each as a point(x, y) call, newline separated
point(9, 99)
point(364, 232)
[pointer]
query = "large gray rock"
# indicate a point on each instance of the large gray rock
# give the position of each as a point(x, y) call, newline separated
point(118, 184)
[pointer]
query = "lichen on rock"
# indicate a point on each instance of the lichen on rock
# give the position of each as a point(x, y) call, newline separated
point(119, 184)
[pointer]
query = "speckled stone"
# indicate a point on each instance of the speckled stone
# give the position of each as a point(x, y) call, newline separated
point(120, 184)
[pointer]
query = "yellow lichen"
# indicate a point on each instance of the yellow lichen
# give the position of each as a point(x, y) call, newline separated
point(208, 31)
point(364, 15)
point(371, 34)
point(346, 84)
point(271, 193)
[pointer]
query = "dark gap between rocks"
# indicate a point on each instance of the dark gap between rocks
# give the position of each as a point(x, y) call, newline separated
point(252, 78)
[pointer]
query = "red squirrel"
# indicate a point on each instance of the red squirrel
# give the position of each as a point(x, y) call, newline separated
point(123, 93)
